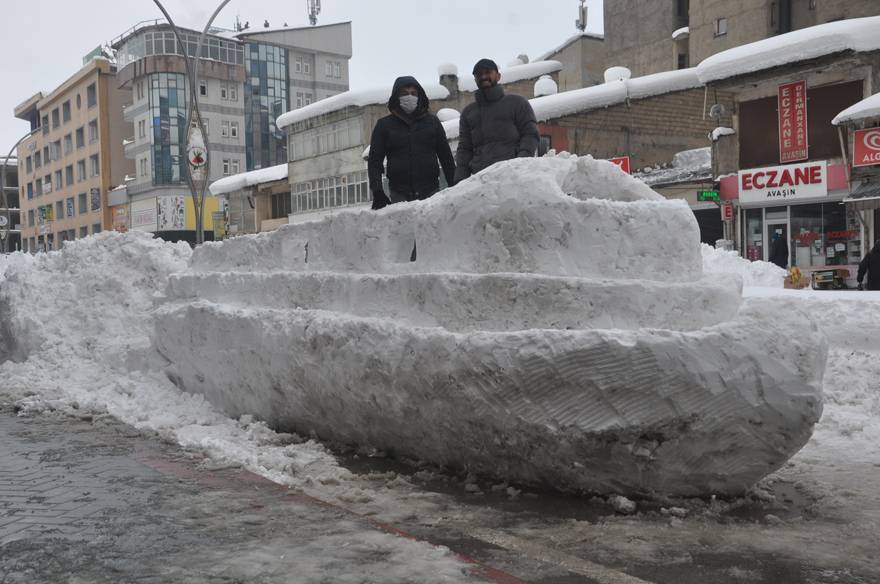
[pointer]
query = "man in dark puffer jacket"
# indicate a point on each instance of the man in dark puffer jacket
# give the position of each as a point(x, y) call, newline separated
point(495, 127)
point(870, 265)
point(412, 139)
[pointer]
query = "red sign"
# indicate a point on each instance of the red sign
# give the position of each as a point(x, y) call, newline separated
point(866, 147)
point(622, 162)
point(793, 140)
point(727, 211)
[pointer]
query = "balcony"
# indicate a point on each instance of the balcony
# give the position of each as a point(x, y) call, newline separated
point(129, 145)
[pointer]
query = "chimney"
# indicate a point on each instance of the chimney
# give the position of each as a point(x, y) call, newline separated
point(449, 78)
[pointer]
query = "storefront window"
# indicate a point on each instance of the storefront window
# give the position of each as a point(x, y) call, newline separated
point(754, 234)
point(823, 235)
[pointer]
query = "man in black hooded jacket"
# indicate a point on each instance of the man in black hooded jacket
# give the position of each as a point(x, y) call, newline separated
point(871, 265)
point(412, 140)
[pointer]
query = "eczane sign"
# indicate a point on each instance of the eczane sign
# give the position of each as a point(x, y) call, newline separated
point(784, 183)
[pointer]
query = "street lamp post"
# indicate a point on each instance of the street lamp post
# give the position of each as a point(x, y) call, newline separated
point(197, 174)
point(7, 226)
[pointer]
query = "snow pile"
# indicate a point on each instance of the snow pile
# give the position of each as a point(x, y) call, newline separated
point(720, 262)
point(447, 69)
point(688, 165)
point(240, 181)
point(546, 86)
point(863, 110)
point(447, 113)
point(555, 328)
point(856, 34)
point(721, 131)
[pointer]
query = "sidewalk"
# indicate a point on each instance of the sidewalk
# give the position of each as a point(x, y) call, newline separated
point(92, 501)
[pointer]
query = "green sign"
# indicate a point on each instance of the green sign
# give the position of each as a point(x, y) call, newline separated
point(709, 196)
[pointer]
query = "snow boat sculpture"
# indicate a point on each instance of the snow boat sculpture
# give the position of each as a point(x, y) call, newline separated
point(553, 330)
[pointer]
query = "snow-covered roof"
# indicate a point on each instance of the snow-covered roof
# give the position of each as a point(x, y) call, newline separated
point(380, 95)
point(604, 95)
point(688, 166)
point(240, 181)
point(346, 99)
point(515, 73)
point(867, 108)
point(856, 34)
point(570, 40)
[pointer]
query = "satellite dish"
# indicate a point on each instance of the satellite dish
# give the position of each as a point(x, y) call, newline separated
point(716, 112)
point(617, 74)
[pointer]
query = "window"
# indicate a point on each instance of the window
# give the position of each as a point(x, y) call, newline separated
point(83, 232)
point(30, 190)
point(83, 208)
point(59, 180)
point(56, 118)
point(96, 201)
point(224, 129)
point(96, 228)
point(298, 65)
point(80, 137)
point(226, 170)
point(337, 69)
point(71, 211)
point(68, 144)
point(44, 124)
point(203, 88)
point(142, 129)
point(328, 69)
point(720, 26)
point(307, 66)
point(94, 165)
point(38, 187)
point(46, 155)
point(65, 111)
point(143, 167)
point(47, 184)
point(140, 90)
point(299, 99)
point(79, 102)
point(308, 99)
point(81, 170)
point(59, 210)
point(30, 217)
point(69, 175)
point(55, 150)
point(38, 160)
point(92, 95)
point(93, 131)
point(233, 130)
point(29, 164)
point(224, 92)
point(235, 167)
point(233, 93)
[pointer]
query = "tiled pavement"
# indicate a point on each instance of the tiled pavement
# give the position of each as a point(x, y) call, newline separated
point(91, 500)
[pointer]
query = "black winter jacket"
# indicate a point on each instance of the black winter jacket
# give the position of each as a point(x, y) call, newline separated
point(412, 144)
point(871, 265)
point(496, 127)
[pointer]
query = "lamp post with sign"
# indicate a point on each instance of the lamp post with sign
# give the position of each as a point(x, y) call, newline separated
point(6, 225)
point(197, 148)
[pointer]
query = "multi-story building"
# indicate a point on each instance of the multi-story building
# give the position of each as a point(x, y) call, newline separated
point(10, 219)
point(68, 167)
point(247, 79)
point(649, 36)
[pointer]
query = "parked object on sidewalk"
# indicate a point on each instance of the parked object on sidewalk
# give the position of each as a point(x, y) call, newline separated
point(555, 329)
point(834, 279)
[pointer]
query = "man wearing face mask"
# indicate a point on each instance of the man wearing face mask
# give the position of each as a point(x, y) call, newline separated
point(412, 140)
point(496, 127)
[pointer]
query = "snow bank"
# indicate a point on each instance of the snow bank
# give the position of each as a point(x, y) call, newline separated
point(554, 329)
point(865, 109)
point(719, 262)
point(855, 34)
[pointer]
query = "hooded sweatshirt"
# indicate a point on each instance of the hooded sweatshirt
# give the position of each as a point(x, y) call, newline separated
point(871, 266)
point(412, 144)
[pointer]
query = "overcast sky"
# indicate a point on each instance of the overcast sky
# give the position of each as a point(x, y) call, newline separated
point(43, 41)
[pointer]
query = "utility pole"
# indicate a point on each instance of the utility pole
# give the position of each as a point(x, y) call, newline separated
point(198, 150)
point(6, 227)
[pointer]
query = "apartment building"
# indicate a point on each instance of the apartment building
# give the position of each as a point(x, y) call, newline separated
point(649, 36)
point(10, 219)
point(67, 168)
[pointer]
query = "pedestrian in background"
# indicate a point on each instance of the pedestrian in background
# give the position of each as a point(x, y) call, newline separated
point(412, 140)
point(870, 265)
point(495, 127)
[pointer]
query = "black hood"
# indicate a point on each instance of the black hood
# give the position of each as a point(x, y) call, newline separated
point(394, 100)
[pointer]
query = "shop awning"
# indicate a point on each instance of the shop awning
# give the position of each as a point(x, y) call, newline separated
point(865, 198)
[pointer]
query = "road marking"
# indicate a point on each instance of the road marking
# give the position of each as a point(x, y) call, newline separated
point(571, 563)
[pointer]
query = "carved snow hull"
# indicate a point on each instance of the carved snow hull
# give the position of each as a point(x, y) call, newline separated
point(515, 346)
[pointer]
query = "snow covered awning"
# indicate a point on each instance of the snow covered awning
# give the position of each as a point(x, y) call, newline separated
point(865, 109)
point(857, 34)
point(237, 182)
point(865, 198)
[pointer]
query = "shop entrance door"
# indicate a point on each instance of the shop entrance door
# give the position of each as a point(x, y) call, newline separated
point(780, 229)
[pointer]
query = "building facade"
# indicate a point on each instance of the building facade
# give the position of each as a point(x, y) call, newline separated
point(639, 33)
point(10, 215)
point(67, 169)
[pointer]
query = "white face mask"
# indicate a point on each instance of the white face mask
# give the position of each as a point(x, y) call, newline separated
point(409, 103)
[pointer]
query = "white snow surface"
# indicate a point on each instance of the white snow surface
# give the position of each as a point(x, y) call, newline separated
point(720, 131)
point(855, 34)
point(555, 329)
point(243, 180)
point(546, 86)
point(720, 262)
point(865, 109)
point(688, 165)
point(447, 113)
point(447, 69)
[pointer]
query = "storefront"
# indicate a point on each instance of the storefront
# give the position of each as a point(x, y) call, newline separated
point(801, 205)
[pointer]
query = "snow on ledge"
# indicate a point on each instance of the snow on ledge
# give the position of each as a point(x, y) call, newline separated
point(867, 108)
point(857, 34)
point(717, 133)
point(681, 33)
point(237, 182)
